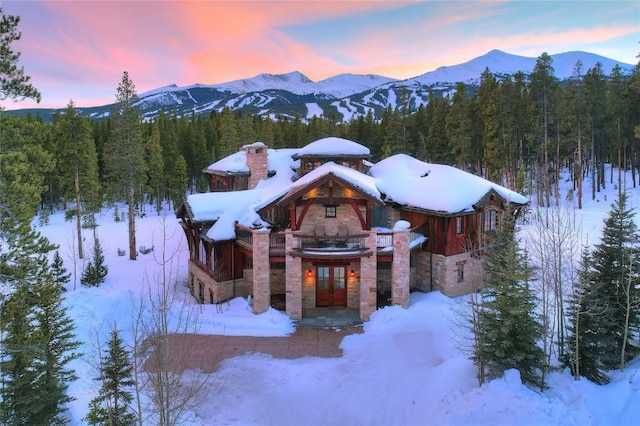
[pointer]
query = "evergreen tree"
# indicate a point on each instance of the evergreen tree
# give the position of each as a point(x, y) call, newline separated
point(156, 180)
point(124, 156)
point(229, 140)
point(585, 329)
point(619, 247)
point(55, 335)
point(59, 272)
point(391, 133)
point(458, 125)
point(112, 405)
point(178, 181)
point(24, 162)
point(594, 83)
point(37, 336)
point(611, 295)
point(488, 98)
point(77, 164)
point(544, 90)
point(508, 328)
point(96, 271)
point(14, 83)
point(438, 148)
point(19, 353)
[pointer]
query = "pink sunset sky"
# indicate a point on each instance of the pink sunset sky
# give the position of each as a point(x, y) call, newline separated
point(78, 50)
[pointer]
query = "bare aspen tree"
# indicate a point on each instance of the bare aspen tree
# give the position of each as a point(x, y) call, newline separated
point(72, 254)
point(138, 356)
point(630, 304)
point(553, 243)
point(163, 344)
point(465, 318)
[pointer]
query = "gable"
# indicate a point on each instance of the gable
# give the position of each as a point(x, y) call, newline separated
point(330, 187)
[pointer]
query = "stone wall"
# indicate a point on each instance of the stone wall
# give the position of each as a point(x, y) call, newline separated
point(213, 290)
point(344, 214)
point(421, 279)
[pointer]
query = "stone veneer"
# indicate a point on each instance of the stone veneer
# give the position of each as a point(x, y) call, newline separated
point(345, 215)
point(400, 274)
point(257, 161)
point(261, 271)
point(439, 272)
point(368, 272)
point(293, 280)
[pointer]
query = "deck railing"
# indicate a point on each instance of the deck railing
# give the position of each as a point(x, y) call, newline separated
point(329, 243)
point(277, 241)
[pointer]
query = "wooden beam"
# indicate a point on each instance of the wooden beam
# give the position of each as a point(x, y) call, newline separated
point(363, 223)
point(304, 211)
point(292, 215)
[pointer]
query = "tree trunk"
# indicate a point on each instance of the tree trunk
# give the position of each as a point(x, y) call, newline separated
point(78, 215)
point(579, 171)
point(132, 223)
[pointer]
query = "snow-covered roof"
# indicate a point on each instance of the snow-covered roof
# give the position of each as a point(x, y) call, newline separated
point(366, 184)
point(333, 146)
point(237, 162)
point(399, 179)
point(434, 187)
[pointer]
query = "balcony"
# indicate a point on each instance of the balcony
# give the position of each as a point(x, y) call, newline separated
point(326, 245)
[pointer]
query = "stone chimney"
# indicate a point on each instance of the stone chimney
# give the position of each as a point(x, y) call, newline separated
point(257, 162)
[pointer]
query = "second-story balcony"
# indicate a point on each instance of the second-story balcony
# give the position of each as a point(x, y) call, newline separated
point(339, 245)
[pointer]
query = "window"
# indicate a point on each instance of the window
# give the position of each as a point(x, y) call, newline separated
point(202, 253)
point(200, 292)
point(330, 211)
point(459, 225)
point(460, 270)
point(489, 220)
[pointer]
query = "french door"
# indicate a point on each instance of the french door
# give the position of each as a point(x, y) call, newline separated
point(331, 286)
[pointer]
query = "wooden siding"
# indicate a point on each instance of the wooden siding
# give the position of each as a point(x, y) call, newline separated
point(226, 183)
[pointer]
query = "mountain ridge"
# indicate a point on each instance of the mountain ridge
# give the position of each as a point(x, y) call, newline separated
point(344, 96)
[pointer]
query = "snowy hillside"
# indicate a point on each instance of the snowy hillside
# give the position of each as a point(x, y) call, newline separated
point(345, 96)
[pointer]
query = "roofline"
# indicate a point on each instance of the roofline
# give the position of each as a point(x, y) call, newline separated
point(316, 182)
point(224, 172)
point(297, 156)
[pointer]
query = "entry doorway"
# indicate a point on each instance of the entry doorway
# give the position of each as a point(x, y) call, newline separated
point(331, 286)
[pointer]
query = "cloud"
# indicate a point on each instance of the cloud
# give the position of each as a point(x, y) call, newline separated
point(79, 49)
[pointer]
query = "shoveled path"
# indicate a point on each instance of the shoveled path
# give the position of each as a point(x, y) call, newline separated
point(207, 351)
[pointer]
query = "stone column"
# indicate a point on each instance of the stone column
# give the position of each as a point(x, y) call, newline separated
point(293, 279)
point(261, 271)
point(400, 268)
point(368, 279)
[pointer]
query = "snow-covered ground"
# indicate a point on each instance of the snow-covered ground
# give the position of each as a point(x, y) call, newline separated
point(407, 367)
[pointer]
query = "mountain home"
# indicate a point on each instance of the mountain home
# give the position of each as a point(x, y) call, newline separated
point(299, 229)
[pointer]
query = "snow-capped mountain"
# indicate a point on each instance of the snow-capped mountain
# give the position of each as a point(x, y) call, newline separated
point(344, 96)
point(503, 63)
